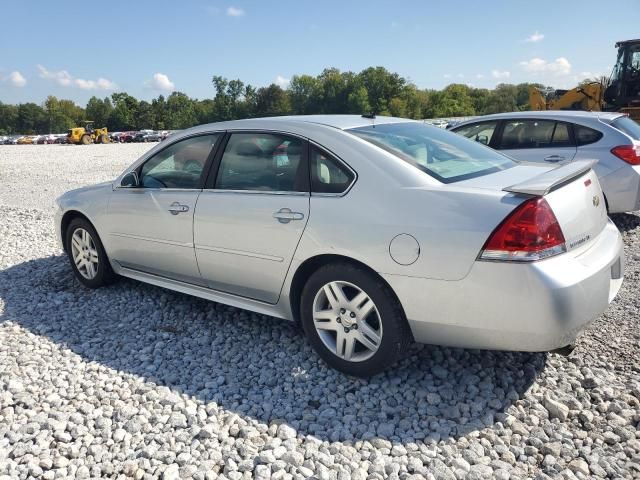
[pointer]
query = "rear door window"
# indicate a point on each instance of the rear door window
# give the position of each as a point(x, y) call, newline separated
point(527, 134)
point(263, 162)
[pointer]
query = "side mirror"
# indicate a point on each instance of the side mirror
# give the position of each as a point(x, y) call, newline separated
point(130, 180)
point(483, 139)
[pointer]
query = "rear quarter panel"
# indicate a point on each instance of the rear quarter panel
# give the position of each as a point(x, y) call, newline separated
point(450, 224)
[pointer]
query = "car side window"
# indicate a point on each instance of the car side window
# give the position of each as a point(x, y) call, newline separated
point(585, 135)
point(180, 165)
point(480, 132)
point(527, 134)
point(561, 136)
point(268, 162)
point(328, 175)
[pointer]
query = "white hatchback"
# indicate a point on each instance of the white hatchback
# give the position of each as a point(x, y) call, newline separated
point(558, 137)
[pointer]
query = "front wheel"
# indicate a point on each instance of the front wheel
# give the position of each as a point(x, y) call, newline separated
point(353, 320)
point(87, 256)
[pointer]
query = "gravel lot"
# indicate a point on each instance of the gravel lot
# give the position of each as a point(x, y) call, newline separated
point(133, 381)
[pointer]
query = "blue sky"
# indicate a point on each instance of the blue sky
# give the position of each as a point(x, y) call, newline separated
point(147, 47)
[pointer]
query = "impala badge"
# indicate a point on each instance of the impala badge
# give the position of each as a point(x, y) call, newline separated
point(596, 200)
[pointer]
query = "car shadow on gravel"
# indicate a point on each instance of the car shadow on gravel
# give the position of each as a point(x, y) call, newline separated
point(626, 221)
point(258, 367)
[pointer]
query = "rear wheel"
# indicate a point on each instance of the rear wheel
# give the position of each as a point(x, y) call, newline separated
point(86, 254)
point(104, 139)
point(86, 139)
point(353, 320)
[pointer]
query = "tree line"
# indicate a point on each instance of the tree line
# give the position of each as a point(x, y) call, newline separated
point(373, 90)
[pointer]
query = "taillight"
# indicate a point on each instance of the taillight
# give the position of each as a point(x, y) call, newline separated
point(628, 153)
point(531, 232)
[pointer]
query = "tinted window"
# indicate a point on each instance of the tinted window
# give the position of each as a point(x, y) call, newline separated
point(628, 126)
point(561, 136)
point(180, 165)
point(441, 154)
point(527, 134)
point(263, 161)
point(328, 175)
point(585, 135)
point(480, 132)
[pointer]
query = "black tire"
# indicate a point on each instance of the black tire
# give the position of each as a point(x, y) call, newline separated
point(104, 274)
point(396, 335)
point(85, 140)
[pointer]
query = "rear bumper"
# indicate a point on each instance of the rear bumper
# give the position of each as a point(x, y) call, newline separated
point(622, 189)
point(533, 307)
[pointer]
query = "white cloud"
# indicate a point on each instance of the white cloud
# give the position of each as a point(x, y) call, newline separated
point(479, 75)
point(160, 81)
point(65, 79)
point(460, 75)
point(235, 11)
point(282, 82)
point(17, 80)
point(447, 75)
point(560, 66)
point(500, 74)
point(535, 37)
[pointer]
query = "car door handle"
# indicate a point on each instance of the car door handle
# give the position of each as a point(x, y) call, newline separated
point(175, 208)
point(285, 215)
point(554, 158)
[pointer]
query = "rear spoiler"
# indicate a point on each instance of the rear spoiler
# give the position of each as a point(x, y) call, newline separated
point(550, 180)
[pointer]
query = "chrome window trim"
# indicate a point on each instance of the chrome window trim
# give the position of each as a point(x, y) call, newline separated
point(157, 189)
point(256, 192)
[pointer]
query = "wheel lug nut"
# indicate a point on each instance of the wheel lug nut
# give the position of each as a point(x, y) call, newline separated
point(353, 315)
point(339, 320)
point(342, 311)
point(346, 330)
point(355, 327)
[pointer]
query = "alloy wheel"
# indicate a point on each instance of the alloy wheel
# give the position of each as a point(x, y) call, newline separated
point(347, 321)
point(84, 253)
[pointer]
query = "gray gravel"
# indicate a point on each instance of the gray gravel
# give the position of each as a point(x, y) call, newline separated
point(133, 381)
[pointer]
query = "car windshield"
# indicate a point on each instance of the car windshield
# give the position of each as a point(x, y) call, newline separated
point(628, 126)
point(446, 156)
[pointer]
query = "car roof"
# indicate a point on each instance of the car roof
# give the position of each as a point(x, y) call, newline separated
point(551, 114)
point(341, 122)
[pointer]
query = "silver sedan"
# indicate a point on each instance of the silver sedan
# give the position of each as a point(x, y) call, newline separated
point(370, 232)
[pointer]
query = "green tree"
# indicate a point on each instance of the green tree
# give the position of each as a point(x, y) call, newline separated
point(99, 111)
point(272, 101)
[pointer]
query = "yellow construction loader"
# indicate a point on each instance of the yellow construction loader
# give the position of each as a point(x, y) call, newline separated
point(87, 135)
point(620, 93)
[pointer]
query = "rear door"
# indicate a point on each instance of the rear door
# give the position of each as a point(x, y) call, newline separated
point(535, 140)
point(251, 216)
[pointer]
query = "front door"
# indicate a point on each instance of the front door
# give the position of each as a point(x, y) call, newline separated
point(151, 225)
point(542, 141)
point(248, 224)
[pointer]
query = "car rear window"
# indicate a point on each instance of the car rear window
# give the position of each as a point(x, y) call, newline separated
point(446, 156)
point(628, 126)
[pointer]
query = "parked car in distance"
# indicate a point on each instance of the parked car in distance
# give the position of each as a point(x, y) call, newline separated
point(371, 232)
point(127, 137)
point(561, 137)
point(61, 139)
point(147, 136)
